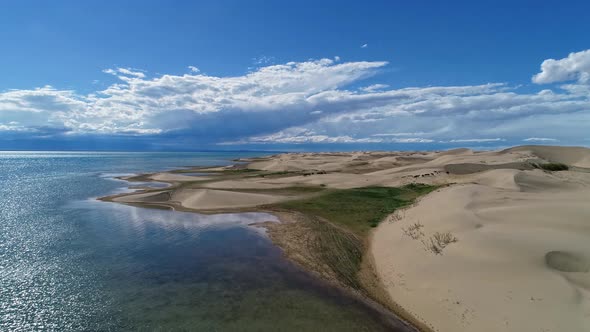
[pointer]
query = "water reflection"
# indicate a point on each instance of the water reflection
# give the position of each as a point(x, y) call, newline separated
point(214, 272)
point(71, 263)
point(142, 218)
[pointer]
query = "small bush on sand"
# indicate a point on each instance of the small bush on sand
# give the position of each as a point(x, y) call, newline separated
point(437, 242)
point(414, 231)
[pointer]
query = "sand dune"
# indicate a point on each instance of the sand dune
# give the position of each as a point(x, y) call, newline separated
point(209, 199)
point(574, 156)
point(245, 184)
point(519, 264)
point(523, 253)
point(201, 199)
point(521, 261)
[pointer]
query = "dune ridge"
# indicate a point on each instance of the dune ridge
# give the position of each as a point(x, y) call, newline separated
point(520, 263)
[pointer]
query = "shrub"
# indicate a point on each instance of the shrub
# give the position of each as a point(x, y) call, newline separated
point(553, 167)
point(437, 242)
point(414, 231)
point(443, 239)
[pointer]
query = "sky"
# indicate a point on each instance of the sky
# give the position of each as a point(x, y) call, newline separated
point(303, 75)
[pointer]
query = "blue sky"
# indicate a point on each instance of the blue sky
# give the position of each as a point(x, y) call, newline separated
point(180, 75)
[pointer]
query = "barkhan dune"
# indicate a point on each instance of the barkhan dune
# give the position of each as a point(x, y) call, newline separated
point(502, 246)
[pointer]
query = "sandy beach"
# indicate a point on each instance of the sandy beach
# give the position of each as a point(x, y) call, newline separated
point(501, 243)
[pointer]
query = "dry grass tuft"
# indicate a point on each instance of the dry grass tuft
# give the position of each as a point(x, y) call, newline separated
point(414, 231)
point(437, 242)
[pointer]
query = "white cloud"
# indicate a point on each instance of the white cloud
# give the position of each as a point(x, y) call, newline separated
point(539, 139)
point(302, 102)
point(399, 134)
point(263, 60)
point(374, 87)
point(128, 71)
point(124, 72)
point(278, 94)
point(410, 140)
point(302, 135)
point(476, 140)
point(193, 69)
point(575, 67)
point(12, 126)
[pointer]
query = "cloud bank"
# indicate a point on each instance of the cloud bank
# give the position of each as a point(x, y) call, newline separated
point(317, 101)
point(575, 67)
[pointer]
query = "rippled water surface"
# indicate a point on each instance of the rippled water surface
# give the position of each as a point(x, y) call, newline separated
point(69, 262)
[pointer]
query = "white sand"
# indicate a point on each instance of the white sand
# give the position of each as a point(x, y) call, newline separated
point(209, 199)
point(495, 277)
point(575, 156)
point(203, 199)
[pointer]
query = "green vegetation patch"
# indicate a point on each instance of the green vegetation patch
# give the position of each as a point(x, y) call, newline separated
point(232, 171)
point(553, 167)
point(338, 221)
point(359, 209)
point(293, 190)
point(276, 174)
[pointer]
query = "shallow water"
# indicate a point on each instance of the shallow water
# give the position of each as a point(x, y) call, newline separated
point(69, 262)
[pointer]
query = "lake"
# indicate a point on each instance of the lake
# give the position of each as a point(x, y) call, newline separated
point(70, 262)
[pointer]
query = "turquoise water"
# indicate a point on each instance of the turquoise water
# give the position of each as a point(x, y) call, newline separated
point(70, 262)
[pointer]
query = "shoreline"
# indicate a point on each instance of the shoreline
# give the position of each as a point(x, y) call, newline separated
point(372, 291)
point(274, 232)
point(339, 224)
point(372, 294)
